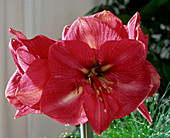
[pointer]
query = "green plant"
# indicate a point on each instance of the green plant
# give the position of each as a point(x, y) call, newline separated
point(135, 126)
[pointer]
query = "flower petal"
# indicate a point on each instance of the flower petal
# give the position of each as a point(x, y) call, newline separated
point(65, 30)
point(124, 58)
point(154, 77)
point(24, 57)
point(113, 21)
point(67, 60)
point(32, 82)
point(92, 31)
point(63, 102)
point(25, 110)
point(39, 45)
point(11, 90)
point(141, 37)
point(132, 24)
point(144, 111)
point(18, 34)
point(12, 99)
point(13, 46)
point(99, 113)
point(130, 95)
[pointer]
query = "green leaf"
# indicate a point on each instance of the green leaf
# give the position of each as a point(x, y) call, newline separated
point(161, 2)
point(150, 8)
point(124, 17)
point(166, 70)
point(144, 29)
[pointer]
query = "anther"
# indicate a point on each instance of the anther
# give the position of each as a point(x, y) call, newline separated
point(84, 70)
point(100, 88)
point(104, 86)
point(100, 98)
point(108, 91)
point(105, 110)
point(110, 88)
point(98, 92)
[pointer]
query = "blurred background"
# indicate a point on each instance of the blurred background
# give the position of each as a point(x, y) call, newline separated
point(48, 17)
point(32, 17)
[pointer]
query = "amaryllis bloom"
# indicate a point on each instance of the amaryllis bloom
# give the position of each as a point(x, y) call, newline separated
point(99, 72)
point(25, 87)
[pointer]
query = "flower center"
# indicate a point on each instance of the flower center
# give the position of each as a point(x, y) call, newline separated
point(97, 81)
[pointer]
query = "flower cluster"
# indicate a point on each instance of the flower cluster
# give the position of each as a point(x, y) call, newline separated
point(97, 72)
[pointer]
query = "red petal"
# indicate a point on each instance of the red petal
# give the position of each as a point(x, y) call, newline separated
point(92, 31)
point(154, 77)
point(38, 46)
point(25, 110)
point(18, 34)
point(32, 82)
point(141, 37)
point(65, 30)
point(132, 24)
point(24, 57)
point(129, 95)
point(68, 58)
point(125, 58)
point(11, 90)
point(10, 95)
point(63, 103)
point(113, 21)
point(144, 111)
point(99, 114)
point(14, 45)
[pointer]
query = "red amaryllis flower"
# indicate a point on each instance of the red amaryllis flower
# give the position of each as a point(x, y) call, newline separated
point(98, 73)
point(130, 31)
point(25, 87)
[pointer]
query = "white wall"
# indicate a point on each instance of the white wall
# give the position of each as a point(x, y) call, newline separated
point(32, 17)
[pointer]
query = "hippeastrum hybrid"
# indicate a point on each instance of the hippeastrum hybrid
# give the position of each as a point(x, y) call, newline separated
point(99, 72)
point(25, 87)
point(131, 31)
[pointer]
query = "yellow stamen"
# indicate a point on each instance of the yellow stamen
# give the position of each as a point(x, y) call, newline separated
point(110, 88)
point(108, 91)
point(98, 92)
point(105, 80)
point(106, 67)
point(84, 70)
point(100, 98)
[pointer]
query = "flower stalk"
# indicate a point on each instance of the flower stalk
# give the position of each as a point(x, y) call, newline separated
point(86, 130)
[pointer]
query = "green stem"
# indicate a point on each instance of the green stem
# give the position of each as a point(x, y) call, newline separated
point(86, 130)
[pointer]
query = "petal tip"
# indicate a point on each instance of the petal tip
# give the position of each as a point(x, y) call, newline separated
point(18, 34)
point(80, 19)
point(10, 30)
point(143, 110)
